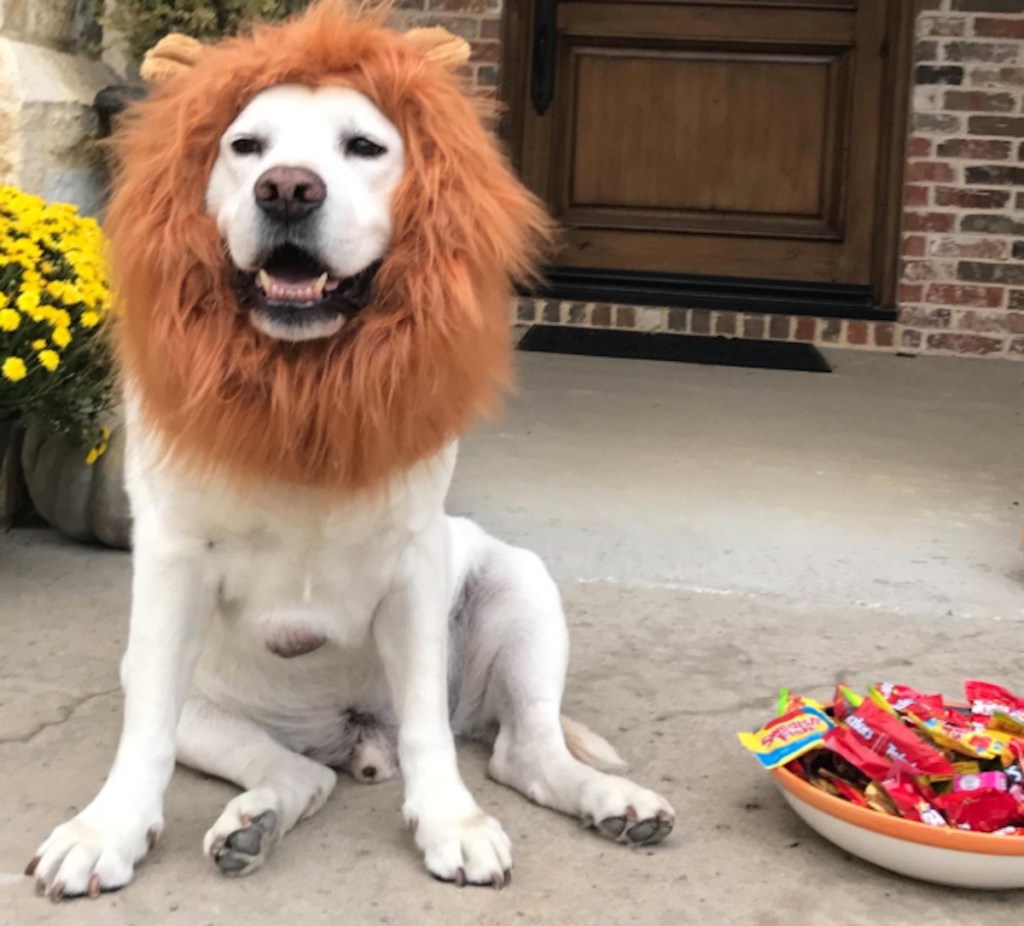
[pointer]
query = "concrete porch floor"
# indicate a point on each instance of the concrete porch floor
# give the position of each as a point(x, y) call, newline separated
point(716, 533)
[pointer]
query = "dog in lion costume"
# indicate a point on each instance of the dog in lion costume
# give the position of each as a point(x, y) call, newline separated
point(314, 243)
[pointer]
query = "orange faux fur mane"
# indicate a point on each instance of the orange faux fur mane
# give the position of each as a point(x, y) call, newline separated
point(411, 371)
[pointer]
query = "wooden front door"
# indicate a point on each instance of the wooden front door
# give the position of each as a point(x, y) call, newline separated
point(741, 139)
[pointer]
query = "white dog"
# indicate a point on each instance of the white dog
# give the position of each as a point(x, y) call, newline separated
point(274, 638)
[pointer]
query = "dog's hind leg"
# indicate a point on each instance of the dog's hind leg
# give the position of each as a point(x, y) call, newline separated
point(514, 646)
point(280, 786)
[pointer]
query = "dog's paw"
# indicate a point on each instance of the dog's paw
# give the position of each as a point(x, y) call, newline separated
point(624, 812)
point(85, 857)
point(471, 850)
point(245, 833)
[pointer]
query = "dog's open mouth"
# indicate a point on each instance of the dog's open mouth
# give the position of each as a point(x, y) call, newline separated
point(293, 296)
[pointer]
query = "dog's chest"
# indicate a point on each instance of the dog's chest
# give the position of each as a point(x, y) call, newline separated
point(296, 574)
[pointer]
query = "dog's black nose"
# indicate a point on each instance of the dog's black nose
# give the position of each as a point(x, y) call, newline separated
point(289, 193)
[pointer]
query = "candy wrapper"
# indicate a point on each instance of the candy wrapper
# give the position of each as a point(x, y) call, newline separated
point(907, 753)
point(785, 738)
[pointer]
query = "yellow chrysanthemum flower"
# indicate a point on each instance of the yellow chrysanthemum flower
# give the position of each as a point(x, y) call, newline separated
point(38, 344)
point(90, 319)
point(14, 369)
point(61, 337)
point(9, 320)
point(28, 301)
point(50, 359)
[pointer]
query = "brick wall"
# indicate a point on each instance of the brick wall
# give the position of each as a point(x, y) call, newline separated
point(479, 21)
point(963, 279)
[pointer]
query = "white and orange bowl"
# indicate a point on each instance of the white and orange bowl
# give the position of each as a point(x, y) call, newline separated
point(929, 853)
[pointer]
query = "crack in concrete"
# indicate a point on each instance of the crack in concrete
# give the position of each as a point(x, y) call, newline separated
point(66, 714)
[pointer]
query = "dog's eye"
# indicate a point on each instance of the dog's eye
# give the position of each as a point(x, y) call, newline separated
point(247, 145)
point(364, 148)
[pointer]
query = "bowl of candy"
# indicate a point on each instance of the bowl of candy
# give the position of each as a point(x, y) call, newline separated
point(926, 788)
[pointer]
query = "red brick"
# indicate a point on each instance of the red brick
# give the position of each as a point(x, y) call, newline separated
point(857, 332)
point(996, 77)
point(910, 339)
point(989, 6)
point(885, 334)
point(913, 246)
point(490, 29)
point(964, 343)
point(601, 316)
point(466, 26)
point(929, 221)
point(982, 248)
point(805, 329)
point(779, 327)
point(486, 52)
point(918, 146)
point(625, 316)
point(941, 25)
point(1016, 346)
point(930, 171)
point(929, 270)
point(911, 292)
point(700, 321)
point(996, 125)
point(988, 322)
point(971, 198)
point(677, 319)
point(465, 6)
point(753, 326)
point(999, 28)
point(915, 194)
point(925, 317)
point(982, 297)
point(989, 52)
point(725, 323)
point(978, 101)
point(1015, 299)
point(831, 331)
point(940, 123)
point(976, 148)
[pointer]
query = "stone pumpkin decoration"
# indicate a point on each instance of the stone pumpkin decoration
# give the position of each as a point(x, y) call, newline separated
point(83, 501)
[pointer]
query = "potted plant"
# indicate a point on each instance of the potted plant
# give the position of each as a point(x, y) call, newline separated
point(55, 364)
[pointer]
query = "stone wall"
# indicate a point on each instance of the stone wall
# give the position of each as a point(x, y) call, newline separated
point(49, 74)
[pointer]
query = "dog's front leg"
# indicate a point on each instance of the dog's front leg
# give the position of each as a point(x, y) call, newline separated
point(460, 843)
point(171, 605)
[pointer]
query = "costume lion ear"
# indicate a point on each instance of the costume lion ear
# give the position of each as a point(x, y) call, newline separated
point(172, 56)
point(438, 44)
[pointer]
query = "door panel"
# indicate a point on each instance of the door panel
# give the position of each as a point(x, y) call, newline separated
point(737, 138)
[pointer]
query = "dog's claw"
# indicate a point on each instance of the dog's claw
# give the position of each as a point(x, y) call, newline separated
point(30, 868)
point(460, 878)
point(151, 837)
point(94, 890)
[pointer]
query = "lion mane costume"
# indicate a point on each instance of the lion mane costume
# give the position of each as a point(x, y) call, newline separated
point(403, 378)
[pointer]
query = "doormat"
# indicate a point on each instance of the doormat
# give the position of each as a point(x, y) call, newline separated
point(675, 348)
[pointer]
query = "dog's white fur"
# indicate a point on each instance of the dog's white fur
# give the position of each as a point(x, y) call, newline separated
point(428, 625)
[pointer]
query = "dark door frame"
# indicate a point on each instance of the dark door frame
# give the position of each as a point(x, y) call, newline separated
point(878, 302)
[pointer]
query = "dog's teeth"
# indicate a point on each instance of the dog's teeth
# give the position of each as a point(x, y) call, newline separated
point(264, 280)
point(321, 282)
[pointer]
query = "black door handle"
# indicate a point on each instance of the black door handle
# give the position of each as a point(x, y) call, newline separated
point(545, 49)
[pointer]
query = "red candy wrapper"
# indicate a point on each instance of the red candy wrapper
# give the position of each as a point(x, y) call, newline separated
point(884, 734)
point(910, 802)
point(983, 811)
point(985, 699)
